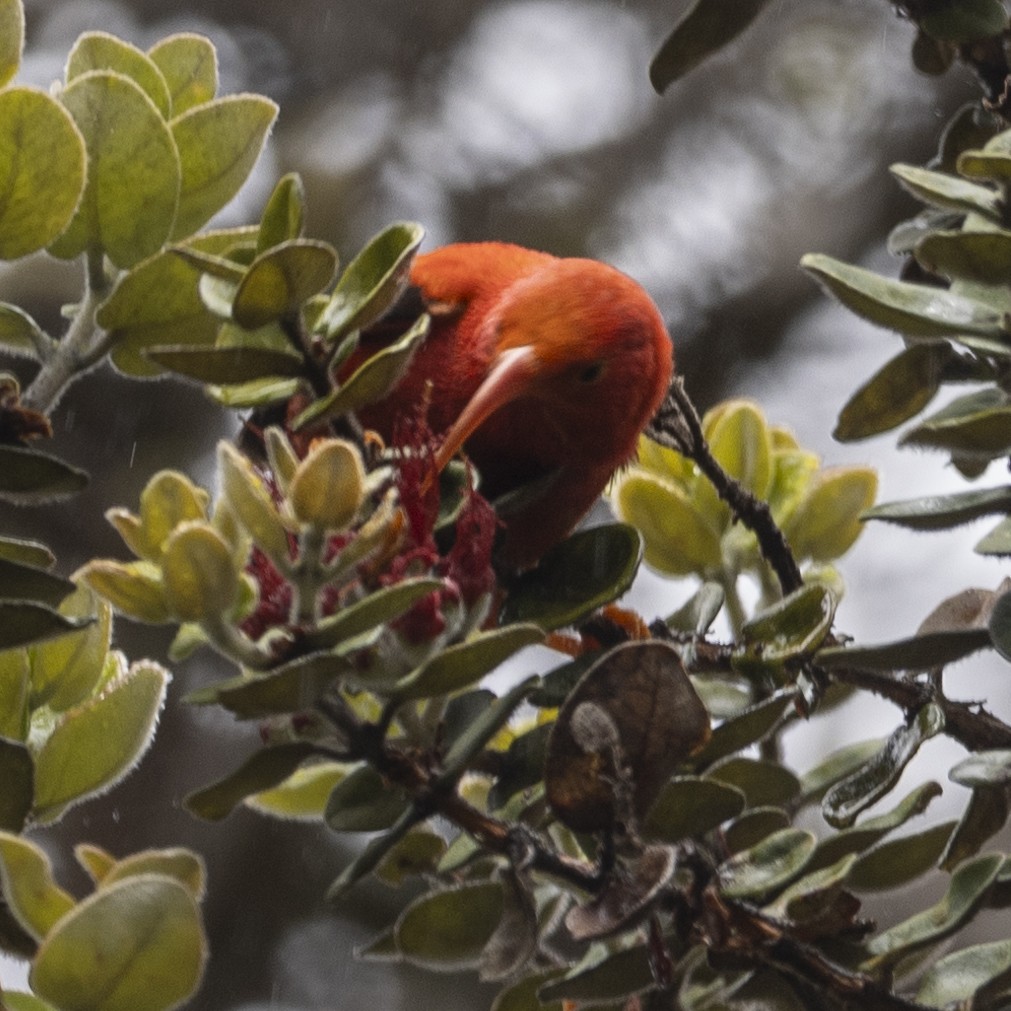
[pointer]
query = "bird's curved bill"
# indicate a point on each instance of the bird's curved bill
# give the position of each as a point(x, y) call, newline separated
point(510, 378)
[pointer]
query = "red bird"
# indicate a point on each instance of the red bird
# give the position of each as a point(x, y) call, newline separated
point(540, 367)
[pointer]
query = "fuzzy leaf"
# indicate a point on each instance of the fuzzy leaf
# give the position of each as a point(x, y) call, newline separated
point(301, 795)
point(899, 390)
point(28, 477)
point(584, 572)
point(280, 280)
point(29, 890)
point(23, 623)
point(688, 807)
point(284, 215)
point(189, 64)
point(42, 165)
point(370, 382)
point(967, 890)
point(967, 975)
point(102, 51)
point(915, 310)
point(132, 190)
point(137, 945)
point(96, 745)
point(878, 775)
point(767, 867)
point(263, 770)
point(219, 143)
point(976, 426)
point(446, 931)
point(16, 774)
point(462, 665)
point(12, 38)
point(948, 191)
point(225, 365)
point(373, 280)
point(677, 539)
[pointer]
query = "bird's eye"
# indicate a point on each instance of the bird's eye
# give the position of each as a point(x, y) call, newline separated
point(591, 373)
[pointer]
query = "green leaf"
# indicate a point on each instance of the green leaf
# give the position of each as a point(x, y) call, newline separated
point(603, 974)
point(483, 728)
point(965, 21)
point(29, 889)
point(752, 826)
point(189, 65)
point(746, 728)
point(522, 996)
point(917, 311)
point(16, 774)
point(225, 365)
point(1000, 626)
point(250, 500)
point(900, 389)
point(26, 552)
point(878, 775)
point(967, 976)
point(67, 669)
point(102, 51)
point(137, 945)
point(328, 486)
point(446, 931)
point(132, 191)
point(290, 688)
point(677, 539)
point(980, 257)
point(263, 770)
point(42, 165)
point(376, 609)
point(15, 687)
point(417, 853)
point(983, 817)
point(199, 574)
point(689, 806)
point(19, 333)
point(698, 613)
point(23, 623)
point(897, 862)
point(373, 280)
point(941, 512)
point(967, 891)
point(589, 569)
point(181, 864)
point(155, 304)
point(95, 745)
point(27, 582)
point(976, 426)
point(763, 783)
point(866, 834)
point(280, 280)
point(372, 855)
point(766, 867)
point(918, 652)
point(12, 38)
point(836, 765)
point(997, 541)
point(792, 627)
point(983, 768)
point(462, 665)
point(284, 215)
point(370, 382)
point(705, 29)
point(302, 795)
point(948, 191)
point(363, 801)
point(219, 143)
point(28, 477)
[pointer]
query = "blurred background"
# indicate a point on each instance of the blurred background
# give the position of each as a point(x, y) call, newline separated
point(531, 121)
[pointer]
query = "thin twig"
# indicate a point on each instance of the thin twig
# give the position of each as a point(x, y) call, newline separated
point(677, 426)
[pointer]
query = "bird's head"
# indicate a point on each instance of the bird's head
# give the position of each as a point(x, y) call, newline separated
point(584, 350)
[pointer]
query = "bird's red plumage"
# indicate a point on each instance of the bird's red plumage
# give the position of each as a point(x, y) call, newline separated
point(581, 359)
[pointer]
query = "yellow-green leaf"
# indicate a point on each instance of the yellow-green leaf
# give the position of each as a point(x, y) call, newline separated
point(826, 521)
point(94, 746)
point(198, 572)
point(102, 51)
point(42, 168)
point(132, 191)
point(29, 890)
point(189, 64)
point(137, 945)
point(12, 38)
point(219, 143)
point(328, 486)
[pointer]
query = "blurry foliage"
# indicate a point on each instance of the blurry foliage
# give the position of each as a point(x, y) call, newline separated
point(618, 831)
